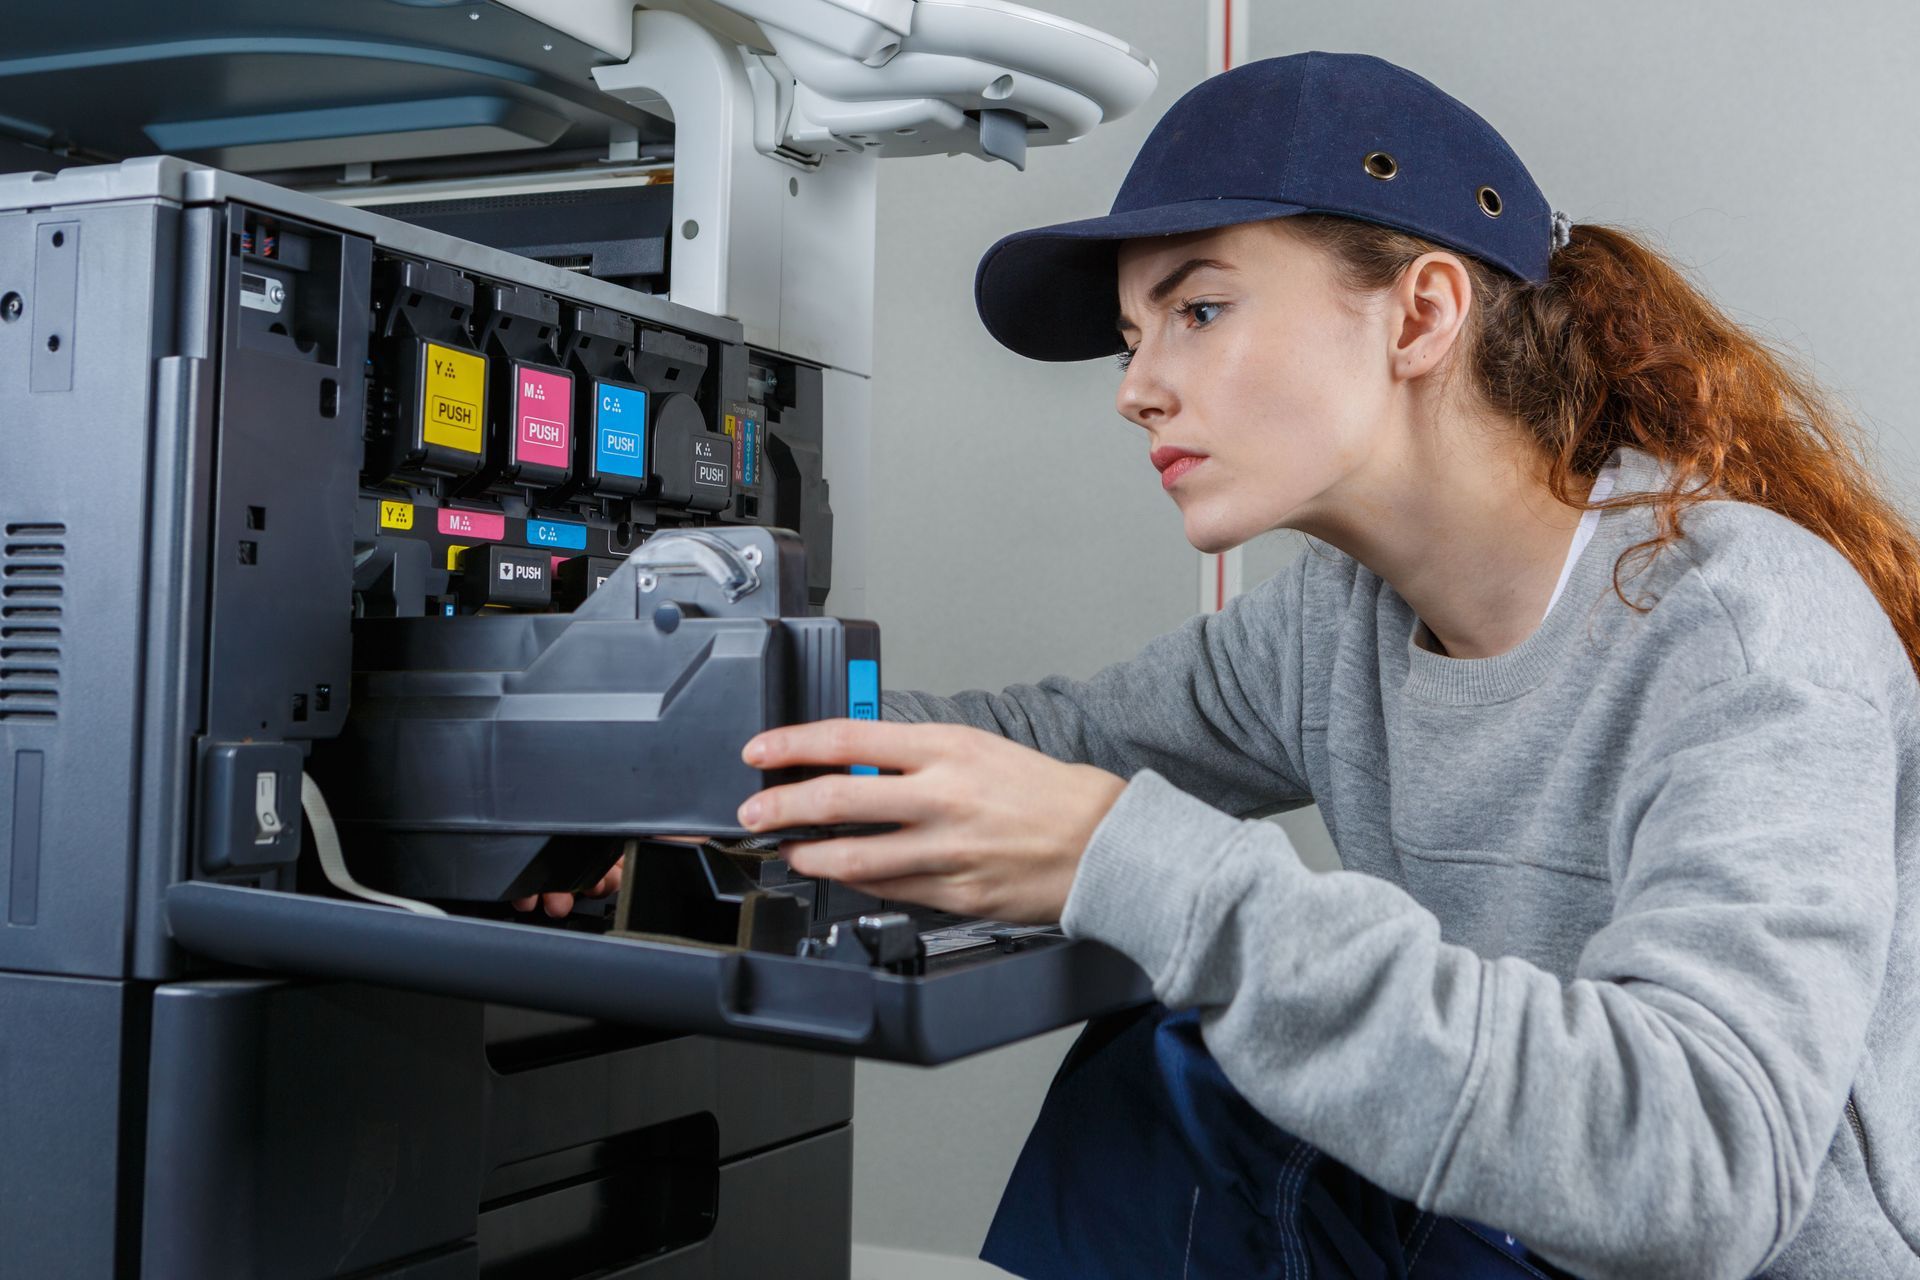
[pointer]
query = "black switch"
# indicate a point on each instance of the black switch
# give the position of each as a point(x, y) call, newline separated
point(509, 576)
point(580, 577)
point(250, 805)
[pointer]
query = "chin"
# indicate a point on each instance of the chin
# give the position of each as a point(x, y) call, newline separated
point(1212, 539)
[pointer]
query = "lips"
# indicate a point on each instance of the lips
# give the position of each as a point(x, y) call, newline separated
point(1172, 462)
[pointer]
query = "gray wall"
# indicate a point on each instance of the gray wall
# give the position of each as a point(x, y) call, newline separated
point(1020, 531)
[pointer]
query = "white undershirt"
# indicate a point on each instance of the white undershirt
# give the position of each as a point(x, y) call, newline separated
point(1589, 521)
point(1602, 486)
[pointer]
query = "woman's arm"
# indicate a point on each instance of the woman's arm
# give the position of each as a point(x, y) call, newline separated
point(1665, 1112)
point(1214, 706)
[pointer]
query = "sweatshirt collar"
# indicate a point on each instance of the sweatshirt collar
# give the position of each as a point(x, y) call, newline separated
point(1435, 677)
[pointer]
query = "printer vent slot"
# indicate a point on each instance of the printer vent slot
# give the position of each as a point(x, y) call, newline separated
point(33, 570)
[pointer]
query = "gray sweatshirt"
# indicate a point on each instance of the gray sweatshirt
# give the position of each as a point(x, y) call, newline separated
point(1624, 956)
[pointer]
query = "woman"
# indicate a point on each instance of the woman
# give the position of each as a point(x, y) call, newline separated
point(1619, 978)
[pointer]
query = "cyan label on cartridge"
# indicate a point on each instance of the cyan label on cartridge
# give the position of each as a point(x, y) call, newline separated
point(620, 430)
point(750, 450)
point(557, 533)
point(863, 697)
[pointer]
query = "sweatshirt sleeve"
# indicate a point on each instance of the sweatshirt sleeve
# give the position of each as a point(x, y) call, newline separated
point(1663, 1113)
point(1214, 706)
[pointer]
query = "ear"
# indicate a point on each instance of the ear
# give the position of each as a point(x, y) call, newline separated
point(1428, 309)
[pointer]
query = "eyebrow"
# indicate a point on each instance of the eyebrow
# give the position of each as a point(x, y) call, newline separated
point(1174, 278)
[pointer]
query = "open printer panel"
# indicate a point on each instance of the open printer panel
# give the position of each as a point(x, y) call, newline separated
point(268, 459)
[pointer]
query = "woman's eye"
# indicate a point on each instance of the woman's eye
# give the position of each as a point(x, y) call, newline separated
point(1202, 313)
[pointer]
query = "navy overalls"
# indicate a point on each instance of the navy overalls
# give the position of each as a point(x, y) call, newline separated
point(1145, 1161)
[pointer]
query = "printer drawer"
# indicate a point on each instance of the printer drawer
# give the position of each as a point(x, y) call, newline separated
point(965, 1002)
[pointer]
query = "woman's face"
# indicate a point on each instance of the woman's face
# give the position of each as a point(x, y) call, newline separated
point(1261, 379)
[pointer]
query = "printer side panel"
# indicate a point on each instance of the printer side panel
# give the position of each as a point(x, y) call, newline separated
point(97, 455)
point(90, 289)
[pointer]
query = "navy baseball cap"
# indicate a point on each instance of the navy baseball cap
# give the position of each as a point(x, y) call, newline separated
point(1338, 133)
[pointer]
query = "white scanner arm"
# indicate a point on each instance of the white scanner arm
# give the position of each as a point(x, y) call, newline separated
point(889, 77)
point(781, 107)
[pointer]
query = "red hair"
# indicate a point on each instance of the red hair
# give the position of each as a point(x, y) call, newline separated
point(1619, 347)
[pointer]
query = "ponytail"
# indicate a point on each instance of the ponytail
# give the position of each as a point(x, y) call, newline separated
point(1618, 347)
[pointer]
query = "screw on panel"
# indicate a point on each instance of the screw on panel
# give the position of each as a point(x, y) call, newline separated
point(751, 555)
point(11, 306)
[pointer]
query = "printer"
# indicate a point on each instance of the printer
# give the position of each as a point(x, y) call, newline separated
point(435, 438)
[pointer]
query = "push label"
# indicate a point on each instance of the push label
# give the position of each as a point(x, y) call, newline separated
point(620, 430)
point(453, 397)
point(497, 576)
point(709, 466)
point(543, 418)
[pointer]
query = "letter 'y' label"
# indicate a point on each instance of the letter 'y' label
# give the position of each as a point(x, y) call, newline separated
point(453, 400)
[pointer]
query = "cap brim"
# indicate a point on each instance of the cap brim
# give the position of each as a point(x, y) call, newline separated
point(1051, 293)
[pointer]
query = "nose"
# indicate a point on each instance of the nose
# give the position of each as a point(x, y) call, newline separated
point(1144, 398)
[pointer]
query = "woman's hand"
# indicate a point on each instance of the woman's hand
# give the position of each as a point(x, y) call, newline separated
point(987, 827)
point(560, 904)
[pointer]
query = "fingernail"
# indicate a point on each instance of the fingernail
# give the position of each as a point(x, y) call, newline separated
point(755, 752)
point(749, 813)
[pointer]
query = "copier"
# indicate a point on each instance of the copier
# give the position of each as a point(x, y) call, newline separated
point(434, 439)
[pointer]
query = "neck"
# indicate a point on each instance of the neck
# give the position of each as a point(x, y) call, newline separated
point(1460, 522)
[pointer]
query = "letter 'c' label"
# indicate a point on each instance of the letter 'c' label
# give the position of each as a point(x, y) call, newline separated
point(620, 430)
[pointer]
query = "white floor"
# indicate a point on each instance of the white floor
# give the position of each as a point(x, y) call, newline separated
point(872, 1262)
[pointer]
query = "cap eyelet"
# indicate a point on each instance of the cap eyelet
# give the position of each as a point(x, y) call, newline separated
point(1379, 164)
point(1489, 201)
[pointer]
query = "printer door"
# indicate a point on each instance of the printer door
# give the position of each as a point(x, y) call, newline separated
point(966, 1001)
